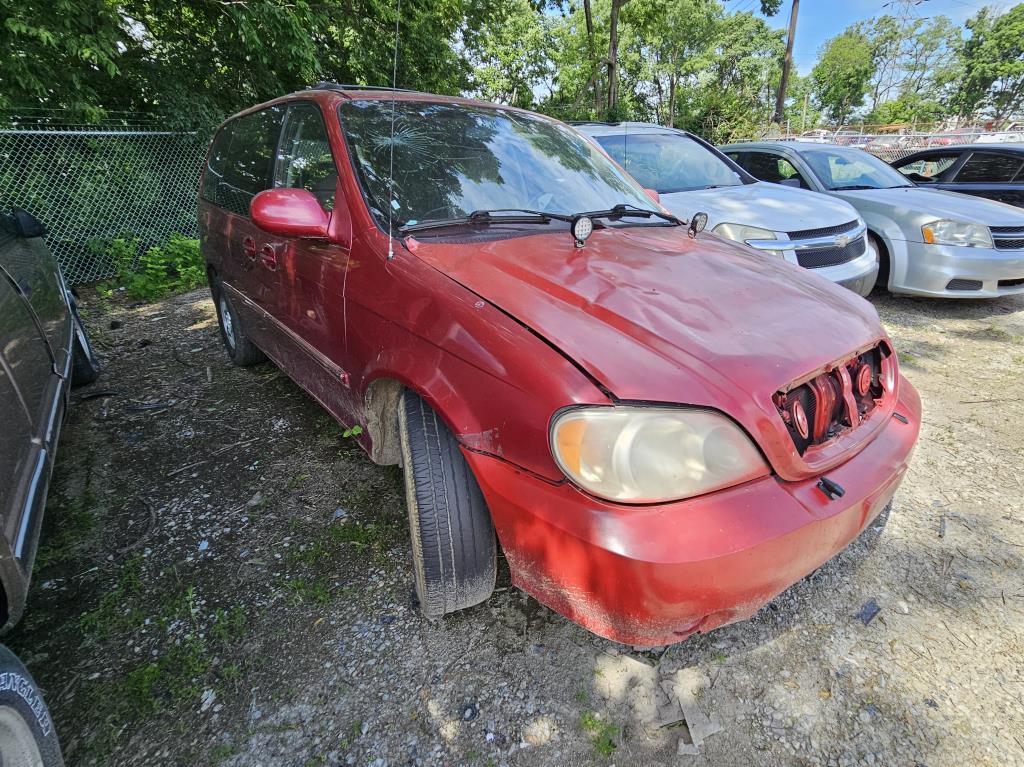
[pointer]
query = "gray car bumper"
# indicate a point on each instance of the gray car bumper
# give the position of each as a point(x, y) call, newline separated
point(973, 272)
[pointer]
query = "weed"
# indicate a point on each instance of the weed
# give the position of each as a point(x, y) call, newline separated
point(317, 592)
point(110, 613)
point(76, 523)
point(221, 752)
point(296, 481)
point(228, 625)
point(719, 657)
point(582, 696)
point(601, 733)
point(352, 431)
point(173, 267)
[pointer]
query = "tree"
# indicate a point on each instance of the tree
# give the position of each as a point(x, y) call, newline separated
point(195, 61)
point(671, 40)
point(512, 54)
point(613, 59)
point(58, 54)
point(992, 65)
point(842, 74)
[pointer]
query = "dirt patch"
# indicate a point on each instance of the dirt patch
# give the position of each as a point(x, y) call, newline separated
point(225, 579)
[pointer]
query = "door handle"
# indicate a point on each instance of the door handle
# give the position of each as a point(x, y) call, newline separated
point(268, 257)
point(249, 248)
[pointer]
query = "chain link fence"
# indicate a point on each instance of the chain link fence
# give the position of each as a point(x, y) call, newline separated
point(894, 146)
point(90, 186)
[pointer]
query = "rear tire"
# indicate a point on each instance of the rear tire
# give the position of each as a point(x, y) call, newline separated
point(240, 348)
point(27, 735)
point(453, 542)
point(85, 367)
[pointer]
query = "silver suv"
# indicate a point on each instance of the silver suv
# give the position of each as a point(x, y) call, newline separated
point(690, 175)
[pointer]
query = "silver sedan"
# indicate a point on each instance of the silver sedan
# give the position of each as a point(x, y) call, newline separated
point(930, 242)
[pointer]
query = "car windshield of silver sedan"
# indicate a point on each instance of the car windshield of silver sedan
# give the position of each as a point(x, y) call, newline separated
point(453, 161)
point(846, 171)
point(668, 162)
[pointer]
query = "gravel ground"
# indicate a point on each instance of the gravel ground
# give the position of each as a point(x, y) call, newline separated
point(224, 579)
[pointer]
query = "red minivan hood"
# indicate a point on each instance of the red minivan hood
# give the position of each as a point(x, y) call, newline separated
point(654, 315)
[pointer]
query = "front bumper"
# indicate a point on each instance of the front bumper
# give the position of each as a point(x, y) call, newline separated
point(653, 575)
point(858, 275)
point(930, 268)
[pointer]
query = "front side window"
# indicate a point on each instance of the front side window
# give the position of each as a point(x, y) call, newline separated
point(989, 167)
point(928, 169)
point(839, 171)
point(250, 158)
point(304, 159)
point(668, 162)
point(451, 160)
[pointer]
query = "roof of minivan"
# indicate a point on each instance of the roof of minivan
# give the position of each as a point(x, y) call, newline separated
point(328, 94)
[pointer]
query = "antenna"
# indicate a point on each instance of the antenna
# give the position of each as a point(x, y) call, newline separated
point(391, 159)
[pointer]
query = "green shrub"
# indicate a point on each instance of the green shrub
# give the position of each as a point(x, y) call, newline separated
point(173, 267)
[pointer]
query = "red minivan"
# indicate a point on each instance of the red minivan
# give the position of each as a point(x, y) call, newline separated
point(661, 429)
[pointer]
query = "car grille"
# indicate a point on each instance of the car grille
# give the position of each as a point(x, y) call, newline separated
point(819, 258)
point(826, 231)
point(1008, 237)
point(837, 401)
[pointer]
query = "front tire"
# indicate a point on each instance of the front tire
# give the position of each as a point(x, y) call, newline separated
point(27, 735)
point(453, 544)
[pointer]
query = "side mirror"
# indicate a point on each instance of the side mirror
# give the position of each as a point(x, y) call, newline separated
point(793, 182)
point(289, 213)
point(653, 195)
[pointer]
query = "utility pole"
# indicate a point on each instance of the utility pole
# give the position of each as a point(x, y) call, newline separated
point(787, 62)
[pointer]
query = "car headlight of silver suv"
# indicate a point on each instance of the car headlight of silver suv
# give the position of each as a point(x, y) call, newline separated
point(746, 234)
point(946, 232)
point(651, 454)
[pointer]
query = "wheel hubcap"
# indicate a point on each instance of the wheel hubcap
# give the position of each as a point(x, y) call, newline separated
point(226, 322)
point(17, 745)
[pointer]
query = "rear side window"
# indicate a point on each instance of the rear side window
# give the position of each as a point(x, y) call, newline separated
point(989, 167)
point(304, 159)
point(249, 159)
point(213, 173)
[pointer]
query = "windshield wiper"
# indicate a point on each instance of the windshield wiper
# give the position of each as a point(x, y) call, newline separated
point(625, 210)
point(852, 187)
point(487, 217)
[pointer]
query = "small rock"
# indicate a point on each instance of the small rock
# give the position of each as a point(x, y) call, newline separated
point(470, 712)
point(868, 611)
point(204, 545)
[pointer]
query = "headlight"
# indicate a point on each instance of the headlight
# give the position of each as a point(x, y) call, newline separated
point(635, 454)
point(743, 233)
point(946, 232)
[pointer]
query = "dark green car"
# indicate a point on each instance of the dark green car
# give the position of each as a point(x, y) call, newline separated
point(43, 350)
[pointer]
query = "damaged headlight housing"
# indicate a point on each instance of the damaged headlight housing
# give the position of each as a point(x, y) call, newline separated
point(652, 454)
point(946, 232)
point(745, 234)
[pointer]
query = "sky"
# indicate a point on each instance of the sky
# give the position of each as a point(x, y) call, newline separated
point(818, 20)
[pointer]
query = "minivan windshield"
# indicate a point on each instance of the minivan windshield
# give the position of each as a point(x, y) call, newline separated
point(852, 169)
point(451, 160)
point(668, 162)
